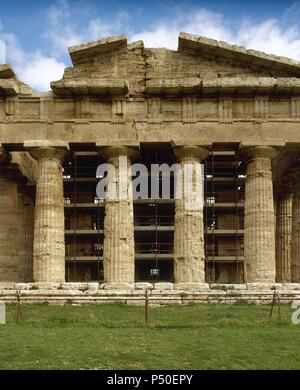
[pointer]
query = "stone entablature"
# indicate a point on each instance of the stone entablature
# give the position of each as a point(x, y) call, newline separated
point(58, 109)
point(115, 83)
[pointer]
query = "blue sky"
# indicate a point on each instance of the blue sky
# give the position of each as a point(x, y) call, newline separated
point(34, 35)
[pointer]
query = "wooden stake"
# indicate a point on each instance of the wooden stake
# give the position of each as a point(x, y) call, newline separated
point(278, 302)
point(18, 307)
point(276, 298)
point(146, 307)
point(272, 306)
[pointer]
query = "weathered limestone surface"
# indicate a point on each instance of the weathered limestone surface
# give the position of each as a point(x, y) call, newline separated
point(204, 44)
point(9, 225)
point(26, 230)
point(118, 252)
point(163, 286)
point(259, 239)
point(295, 258)
point(284, 235)
point(192, 79)
point(143, 286)
point(82, 293)
point(189, 259)
point(191, 286)
point(49, 244)
point(27, 165)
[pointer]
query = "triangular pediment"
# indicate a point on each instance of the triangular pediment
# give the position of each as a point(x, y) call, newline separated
point(90, 50)
point(238, 56)
point(111, 66)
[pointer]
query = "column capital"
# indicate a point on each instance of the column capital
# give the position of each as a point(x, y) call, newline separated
point(259, 151)
point(116, 151)
point(47, 149)
point(187, 152)
point(48, 153)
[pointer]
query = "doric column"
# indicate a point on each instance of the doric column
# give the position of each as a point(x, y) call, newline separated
point(49, 243)
point(284, 234)
point(118, 250)
point(9, 227)
point(259, 238)
point(189, 258)
point(26, 227)
point(295, 256)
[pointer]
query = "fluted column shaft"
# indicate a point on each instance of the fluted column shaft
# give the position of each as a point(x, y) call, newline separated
point(259, 238)
point(26, 224)
point(49, 243)
point(295, 258)
point(118, 250)
point(9, 228)
point(284, 236)
point(189, 257)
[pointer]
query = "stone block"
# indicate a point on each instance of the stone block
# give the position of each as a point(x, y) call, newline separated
point(7, 286)
point(143, 286)
point(7, 293)
point(43, 286)
point(118, 286)
point(22, 286)
point(73, 286)
point(163, 286)
point(227, 286)
point(165, 292)
point(291, 286)
point(93, 286)
point(191, 286)
point(238, 286)
point(263, 286)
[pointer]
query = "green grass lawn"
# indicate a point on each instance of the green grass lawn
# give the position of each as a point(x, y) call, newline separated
point(114, 336)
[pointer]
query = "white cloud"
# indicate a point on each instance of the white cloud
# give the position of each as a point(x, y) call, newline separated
point(58, 12)
point(98, 28)
point(40, 71)
point(34, 69)
point(63, 30)
point(268, 36)
point(201, 22)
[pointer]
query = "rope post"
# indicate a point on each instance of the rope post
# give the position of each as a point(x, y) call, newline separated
point(18, 307)
point(276, 299)
point(272, 306)
point(146, 307)
point(279, 309)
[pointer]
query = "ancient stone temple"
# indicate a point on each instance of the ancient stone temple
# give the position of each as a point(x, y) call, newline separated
point(236, 111)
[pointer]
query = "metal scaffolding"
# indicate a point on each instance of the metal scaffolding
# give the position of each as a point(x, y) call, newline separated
point(154, 221)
